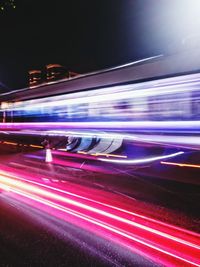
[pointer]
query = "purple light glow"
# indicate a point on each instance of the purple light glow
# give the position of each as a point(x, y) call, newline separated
point(151, 101)
point(111, 125)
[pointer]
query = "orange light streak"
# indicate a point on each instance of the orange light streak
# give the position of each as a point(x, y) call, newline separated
point(180, 164)
point(10, 143)
point(35, 146)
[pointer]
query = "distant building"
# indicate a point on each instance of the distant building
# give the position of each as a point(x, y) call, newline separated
point(56, 71)
point(53, 72)
point(35, 77)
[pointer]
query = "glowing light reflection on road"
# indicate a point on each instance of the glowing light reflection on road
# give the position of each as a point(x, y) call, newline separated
point(108, 217)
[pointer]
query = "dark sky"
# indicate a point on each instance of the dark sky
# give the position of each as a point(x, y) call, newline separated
point(83, 35)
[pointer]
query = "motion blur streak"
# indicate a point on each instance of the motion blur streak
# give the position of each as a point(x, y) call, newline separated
point(150, 105)
point(180, 164)
point(176, 247)
point(109, 215)
point(109, 228)
point(136, 161)
point(134, 125)
point(71, 193)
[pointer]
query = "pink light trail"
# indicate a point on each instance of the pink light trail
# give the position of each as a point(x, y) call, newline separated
point(156, 240)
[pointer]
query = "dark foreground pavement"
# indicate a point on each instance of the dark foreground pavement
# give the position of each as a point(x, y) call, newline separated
point(29, 237)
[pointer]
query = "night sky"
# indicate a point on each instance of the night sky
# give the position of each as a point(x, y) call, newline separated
point(84, 35)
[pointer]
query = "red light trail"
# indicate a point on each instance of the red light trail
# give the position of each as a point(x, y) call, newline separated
point(106, 215)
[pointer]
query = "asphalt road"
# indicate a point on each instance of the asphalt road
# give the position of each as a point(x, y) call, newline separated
point(31, 237)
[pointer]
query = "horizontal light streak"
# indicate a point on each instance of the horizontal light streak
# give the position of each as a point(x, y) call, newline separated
point(10, 182)
point(19, 144)
point(36, 146)
point(109, 155)
point(10, 143)
point(137, 125)
point(167, 139)
point(90, 134)
point(144, 160)
point(56, 189)
point(114, 93)
point(101, 154)
point(180, 164)
point(104, 225)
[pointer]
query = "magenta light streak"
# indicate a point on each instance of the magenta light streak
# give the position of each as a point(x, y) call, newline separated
point(98, 223)
point(112, 207)
point(106, 217)
point(22, 177)
point(137, 125)
point(90, 208)
point(105, 226)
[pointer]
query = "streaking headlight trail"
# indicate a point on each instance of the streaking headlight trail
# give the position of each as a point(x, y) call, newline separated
point(159, 241)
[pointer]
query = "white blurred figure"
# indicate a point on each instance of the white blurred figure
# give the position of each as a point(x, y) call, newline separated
point(48, 155)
